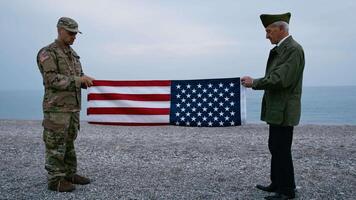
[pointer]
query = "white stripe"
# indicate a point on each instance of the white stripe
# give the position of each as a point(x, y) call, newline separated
point(129, 118)
point(128, 104)
point(131, 90)
point(243, 103)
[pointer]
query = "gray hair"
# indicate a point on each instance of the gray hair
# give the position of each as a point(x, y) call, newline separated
point(282, 24)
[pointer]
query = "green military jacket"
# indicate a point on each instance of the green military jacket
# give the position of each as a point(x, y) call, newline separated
point(61, 71)
point(282, 84)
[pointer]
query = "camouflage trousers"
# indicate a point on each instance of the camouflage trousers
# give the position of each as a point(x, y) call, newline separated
point(60, 131)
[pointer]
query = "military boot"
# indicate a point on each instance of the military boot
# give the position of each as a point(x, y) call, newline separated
point(76, 179)
point(61, 186)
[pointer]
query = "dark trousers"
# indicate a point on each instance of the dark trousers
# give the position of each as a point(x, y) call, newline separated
point(282, 171)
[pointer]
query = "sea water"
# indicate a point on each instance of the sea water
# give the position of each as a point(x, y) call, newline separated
point(320, 105)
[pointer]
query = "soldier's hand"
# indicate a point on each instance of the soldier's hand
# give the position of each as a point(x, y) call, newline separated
point(247, 81)
point(86, 81)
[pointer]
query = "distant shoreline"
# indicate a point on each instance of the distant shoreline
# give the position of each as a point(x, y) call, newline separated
point(248, 124)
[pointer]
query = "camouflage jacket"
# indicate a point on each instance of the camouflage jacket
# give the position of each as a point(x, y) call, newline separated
point(61, 71)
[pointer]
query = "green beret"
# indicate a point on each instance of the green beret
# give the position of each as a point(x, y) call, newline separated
point(268, 19)
point(68, 24)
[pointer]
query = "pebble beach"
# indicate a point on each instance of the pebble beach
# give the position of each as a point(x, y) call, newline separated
point(168, 162)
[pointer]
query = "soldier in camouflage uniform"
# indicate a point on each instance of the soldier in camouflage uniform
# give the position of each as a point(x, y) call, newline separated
point(63, 79)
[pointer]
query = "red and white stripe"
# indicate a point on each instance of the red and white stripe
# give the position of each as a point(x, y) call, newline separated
point(129, 102)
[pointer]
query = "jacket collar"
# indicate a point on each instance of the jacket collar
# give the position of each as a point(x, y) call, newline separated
point(64, 47)
point(279, 49)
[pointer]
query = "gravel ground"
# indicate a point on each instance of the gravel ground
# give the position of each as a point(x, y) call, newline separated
point(170, 162)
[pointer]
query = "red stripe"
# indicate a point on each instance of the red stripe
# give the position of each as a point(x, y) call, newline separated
point(128, 124)
point(128, 111)
point(131, 83)
point(135, 97)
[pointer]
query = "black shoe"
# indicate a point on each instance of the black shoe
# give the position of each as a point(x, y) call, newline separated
point(269, 188)
point(280, 197)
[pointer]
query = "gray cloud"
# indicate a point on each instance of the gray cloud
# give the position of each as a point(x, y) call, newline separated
point(177, 39)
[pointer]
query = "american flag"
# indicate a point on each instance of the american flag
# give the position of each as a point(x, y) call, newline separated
point(203, 102)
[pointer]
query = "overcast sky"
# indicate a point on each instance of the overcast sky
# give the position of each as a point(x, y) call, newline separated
point(176, 39)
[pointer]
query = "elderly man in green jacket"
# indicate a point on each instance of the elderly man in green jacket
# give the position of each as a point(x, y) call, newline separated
point(281, 107)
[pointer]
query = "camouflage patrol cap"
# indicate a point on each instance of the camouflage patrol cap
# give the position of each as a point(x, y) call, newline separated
point(68, 24)
point(268, 19)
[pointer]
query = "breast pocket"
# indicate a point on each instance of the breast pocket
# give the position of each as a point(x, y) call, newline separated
point(63, 65)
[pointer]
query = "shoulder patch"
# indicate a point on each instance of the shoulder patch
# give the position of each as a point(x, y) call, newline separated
point(43, 56)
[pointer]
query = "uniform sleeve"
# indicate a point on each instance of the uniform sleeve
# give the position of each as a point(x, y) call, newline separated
point(51, 76)
point(283, 75)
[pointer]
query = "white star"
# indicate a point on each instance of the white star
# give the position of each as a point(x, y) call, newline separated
point(194, 100)
point(199, 114)
point(221, 94)
point(178, 86)
point(178, 105)
point(210, 114)
point(226, 89)
point(204, 90)
point(199, 95)
point(232, 103)
point(194, 109)
point(182, 109)
point(194, 90)
point(178, 96)
point(232, 85)
point(205, 99)
point(183, 91)
point(210, 85)
point(232, 94)
point(188, 95)
point(177, 114)
point(215, 109)
point(210, 123)
point(204, 109)
point(221, 104)
point(188, 114)
point(188, 86)
point(188, 104)
point(199, 104)
point(232, 123)
point(215, 90)
point(221, 85)
point(204, 118)
point(226, 98)
point(221, 114)
point(227, 118)
point(221, 123)
point(182, 119)
point(210, 95)
point(183, 100)
point(210, 104)
point(199, 123)
point(227, 108)
point(177, 123)
point(215, 99)
point(199, 86)
point(193, 119)
point(215, 118)
point(187, 123)
point(232, 113)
